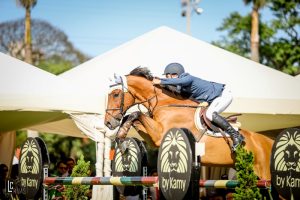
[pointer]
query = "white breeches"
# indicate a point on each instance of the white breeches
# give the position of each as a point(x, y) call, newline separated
point(220, 103)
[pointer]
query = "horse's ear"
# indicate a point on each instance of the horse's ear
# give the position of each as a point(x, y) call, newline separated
point(117, 78)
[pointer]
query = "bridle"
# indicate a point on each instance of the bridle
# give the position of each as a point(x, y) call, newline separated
point(121, 109)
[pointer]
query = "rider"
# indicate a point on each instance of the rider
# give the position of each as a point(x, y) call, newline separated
point(216, 94)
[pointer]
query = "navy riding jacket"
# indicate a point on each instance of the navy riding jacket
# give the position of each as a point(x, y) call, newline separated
point(199, 89)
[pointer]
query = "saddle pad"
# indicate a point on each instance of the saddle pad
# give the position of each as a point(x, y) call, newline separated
point(202, 128)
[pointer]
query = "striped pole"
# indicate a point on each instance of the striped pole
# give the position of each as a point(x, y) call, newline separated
point(120, 181)
point(141, 180)
point(230, 184)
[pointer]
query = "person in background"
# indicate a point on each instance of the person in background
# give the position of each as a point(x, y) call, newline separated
point(15, 164)
point(70, 164)
point(55, 191)
point(3, 178)
point(62, 169)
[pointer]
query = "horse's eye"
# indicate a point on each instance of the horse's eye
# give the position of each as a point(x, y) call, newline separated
point(116, 95)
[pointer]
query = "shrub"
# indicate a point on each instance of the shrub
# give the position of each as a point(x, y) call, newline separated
point(82, 169)
point(247, 188)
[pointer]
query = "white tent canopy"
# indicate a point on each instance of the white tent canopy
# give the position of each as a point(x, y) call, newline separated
point(34, 99)
point(31, 96)
point(266, 97)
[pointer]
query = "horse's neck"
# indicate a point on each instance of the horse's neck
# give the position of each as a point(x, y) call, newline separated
point(141, 88)
point(144, 90)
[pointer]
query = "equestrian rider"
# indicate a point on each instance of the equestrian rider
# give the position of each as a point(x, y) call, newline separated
point(216, 94)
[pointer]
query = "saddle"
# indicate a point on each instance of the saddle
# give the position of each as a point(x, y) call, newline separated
point(232, 119)
point(205, 126)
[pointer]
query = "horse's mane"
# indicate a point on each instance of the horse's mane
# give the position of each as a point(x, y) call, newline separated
point(146, 73)
point(142, 72)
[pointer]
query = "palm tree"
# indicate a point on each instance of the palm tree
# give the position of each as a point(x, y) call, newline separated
point(257, 5)
point(27, 4)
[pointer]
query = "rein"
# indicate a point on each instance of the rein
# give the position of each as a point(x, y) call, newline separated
point(182, 106)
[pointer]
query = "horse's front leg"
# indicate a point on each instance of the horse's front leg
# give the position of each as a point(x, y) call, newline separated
point(123, 131)
point(124, 128)
point(149, 129)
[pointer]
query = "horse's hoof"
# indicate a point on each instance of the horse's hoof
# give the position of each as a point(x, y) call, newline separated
point(123, 147)
point(134, 115)
point(240, 140)
point(235, 146)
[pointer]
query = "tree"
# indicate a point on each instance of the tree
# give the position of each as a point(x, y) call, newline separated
point(51, 49)
point(256, 6)
point(27, 4)
point(279, 37)
point(285, 49)
point(238, 36)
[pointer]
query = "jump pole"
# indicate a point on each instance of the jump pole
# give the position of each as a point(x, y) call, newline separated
point(117, 181)
point(141, 181)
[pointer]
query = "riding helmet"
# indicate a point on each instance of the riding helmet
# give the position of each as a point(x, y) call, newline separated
point(174, 68)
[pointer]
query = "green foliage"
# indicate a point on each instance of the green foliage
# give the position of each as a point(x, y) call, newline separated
point(82, 169)
point(55, 65)
point(21, 137)
point(62, 147)
point(238, 30)
point(286, 48)
point(238, 38)
point(247, 188)
point(279, 38)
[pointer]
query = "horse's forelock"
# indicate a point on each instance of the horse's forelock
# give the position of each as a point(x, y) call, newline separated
point(142, 72)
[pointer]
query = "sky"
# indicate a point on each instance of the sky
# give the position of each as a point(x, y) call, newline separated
point(97, 26)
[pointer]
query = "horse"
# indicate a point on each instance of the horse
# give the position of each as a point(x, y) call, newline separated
point(168, 110)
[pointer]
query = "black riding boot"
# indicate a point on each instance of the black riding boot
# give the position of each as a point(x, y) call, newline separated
point(236, 137)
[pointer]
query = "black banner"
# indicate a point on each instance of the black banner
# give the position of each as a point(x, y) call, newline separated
point(130, 163)
point(285, 163)
point(175, 161)
point(34, 156)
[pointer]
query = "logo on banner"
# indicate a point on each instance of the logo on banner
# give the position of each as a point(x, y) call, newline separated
point(174, 164)
point(285, 163)
point(30, 161)
point(128, 161)
point(174, 153)
point(30, 167)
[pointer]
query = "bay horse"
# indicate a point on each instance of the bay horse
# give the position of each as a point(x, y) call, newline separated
point(137, 88)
